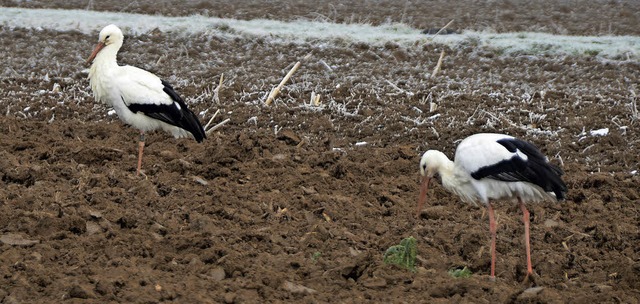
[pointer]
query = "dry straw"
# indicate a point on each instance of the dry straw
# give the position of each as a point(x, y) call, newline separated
point(438, 65)
point(275, 91)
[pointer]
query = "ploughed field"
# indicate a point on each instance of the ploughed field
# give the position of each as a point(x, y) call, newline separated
point(298, 201)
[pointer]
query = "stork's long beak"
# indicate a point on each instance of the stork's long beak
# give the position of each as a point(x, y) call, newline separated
point(424, 187)
point(95, 52)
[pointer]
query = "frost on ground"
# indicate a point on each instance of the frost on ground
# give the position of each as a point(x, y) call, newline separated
point(300, 31)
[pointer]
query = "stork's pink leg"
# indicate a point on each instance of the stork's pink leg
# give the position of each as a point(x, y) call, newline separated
point(525, 219)
point(492, 228)
point(140, 149)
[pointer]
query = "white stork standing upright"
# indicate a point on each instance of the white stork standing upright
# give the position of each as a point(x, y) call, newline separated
point(140, 98)
point(495, 166)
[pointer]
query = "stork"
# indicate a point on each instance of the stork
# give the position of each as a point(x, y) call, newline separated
point(489, 167)
point(140, 98)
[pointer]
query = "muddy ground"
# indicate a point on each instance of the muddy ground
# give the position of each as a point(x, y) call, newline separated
point(297, 202)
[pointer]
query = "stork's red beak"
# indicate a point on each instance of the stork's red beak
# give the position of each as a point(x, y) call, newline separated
point(95, 52)
point(424, 187)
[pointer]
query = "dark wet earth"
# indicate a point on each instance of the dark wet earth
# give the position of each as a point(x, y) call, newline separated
point(298, 202)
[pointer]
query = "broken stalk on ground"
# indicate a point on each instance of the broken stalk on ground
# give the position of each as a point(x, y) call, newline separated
point(275, 91)
point(438, 65)
point(216, 91)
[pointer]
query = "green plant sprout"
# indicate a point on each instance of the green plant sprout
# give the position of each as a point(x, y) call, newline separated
point(403, 255)
point(315, 256)
point(460, 273)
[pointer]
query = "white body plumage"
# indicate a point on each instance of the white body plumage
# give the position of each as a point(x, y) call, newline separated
point(478, 151)
point(126, 88)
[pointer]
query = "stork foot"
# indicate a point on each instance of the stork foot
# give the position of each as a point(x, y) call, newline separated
point(137, 175)
point(531, 279)
point(141, 172)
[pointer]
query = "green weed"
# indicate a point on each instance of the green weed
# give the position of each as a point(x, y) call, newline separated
point(460, 273)
point(316, 255)
point(403, 255)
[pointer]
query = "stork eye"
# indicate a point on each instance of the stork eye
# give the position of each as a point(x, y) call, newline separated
point(105, 38)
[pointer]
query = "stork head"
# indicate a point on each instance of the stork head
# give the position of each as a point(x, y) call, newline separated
point(431, 163)
point(110, 35)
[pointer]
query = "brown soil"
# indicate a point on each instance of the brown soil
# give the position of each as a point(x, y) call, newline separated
point(281, 204)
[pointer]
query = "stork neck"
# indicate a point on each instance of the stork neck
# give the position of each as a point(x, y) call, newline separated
point(107, 56)
point(448, 175)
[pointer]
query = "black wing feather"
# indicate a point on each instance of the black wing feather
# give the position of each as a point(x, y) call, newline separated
point(536, 169)
point(180, 116)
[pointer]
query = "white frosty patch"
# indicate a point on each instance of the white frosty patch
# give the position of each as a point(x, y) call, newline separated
point(599, 132)
point(300, 31)
point(361, 143)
